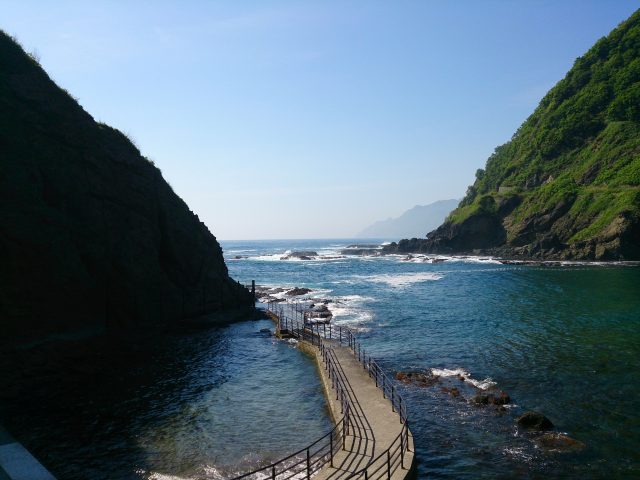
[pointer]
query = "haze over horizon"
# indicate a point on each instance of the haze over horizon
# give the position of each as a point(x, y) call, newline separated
point(287, 120)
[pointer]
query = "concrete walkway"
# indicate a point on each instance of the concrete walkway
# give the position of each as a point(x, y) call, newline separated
point(376, 427)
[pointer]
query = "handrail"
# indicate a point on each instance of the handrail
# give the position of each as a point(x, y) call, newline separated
point(308, 461)
point(346, 336)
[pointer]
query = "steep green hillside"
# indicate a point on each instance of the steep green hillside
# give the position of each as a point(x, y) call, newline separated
point(92, 239)
point(567, 185)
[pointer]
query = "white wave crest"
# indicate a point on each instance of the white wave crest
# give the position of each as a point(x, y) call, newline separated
point(481, 384)
point(402, 279)
point(472, 259)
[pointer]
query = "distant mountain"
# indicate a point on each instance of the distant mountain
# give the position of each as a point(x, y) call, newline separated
point(415, 222)
point(567, 185)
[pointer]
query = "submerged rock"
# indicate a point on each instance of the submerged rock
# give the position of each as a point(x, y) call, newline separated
point(480, 399)
point(534, 421)
point(418, 378)
point(558, 442)
point(498, 398)
point(454, 392)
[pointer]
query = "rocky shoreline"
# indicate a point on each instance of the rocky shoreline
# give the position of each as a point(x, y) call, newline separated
point(421, 248)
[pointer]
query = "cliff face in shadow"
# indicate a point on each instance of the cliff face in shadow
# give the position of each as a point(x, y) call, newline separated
point(567, 185)
point(92, 238)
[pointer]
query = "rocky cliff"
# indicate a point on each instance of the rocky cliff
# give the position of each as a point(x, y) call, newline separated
point(92, 238)
point(567, 185)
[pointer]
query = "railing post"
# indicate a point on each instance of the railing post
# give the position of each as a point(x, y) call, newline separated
point(402, 448)
point(331, 448)
point(344, 431)
point(383, 394)
point(389, 464)
point(393, 393)
point(309, 465)
point(273, 472)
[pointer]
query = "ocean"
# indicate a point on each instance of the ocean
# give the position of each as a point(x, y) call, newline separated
point(559, 339)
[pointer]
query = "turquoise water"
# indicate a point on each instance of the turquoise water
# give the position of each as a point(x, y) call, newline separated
point(561, 340)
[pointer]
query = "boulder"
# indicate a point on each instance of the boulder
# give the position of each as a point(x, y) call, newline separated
point(454, 392)
point(297, 291)
point(534, 421)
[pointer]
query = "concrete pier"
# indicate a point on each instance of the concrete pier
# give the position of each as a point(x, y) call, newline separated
point(371, 440)
point(380, 426)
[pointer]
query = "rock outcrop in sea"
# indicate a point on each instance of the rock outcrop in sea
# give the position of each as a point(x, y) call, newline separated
point(567, 185)
point(92, 238)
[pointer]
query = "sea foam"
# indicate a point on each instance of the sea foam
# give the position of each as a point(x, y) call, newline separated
point(401, 280)
point(481, 384)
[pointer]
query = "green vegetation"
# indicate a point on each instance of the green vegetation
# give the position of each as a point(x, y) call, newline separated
point(580, 149)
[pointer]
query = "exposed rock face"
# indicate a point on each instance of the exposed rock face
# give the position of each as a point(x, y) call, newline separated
point(92, 238)
point(482, 231)
point(297, 291)
point(567, 185)
point(300, 255)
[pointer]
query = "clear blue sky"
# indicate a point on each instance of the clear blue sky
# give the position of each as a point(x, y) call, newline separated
point(291, 119)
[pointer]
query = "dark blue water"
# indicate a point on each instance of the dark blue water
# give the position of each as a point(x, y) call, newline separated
point(561, 340)
point(199, 405)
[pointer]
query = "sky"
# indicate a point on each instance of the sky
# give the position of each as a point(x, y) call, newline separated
point(292, 119)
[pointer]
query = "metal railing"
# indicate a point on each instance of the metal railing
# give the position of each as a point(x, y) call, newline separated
point(345, 337)
point(350, 433)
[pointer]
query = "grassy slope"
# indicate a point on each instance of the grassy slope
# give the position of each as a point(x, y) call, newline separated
point(581, 146)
